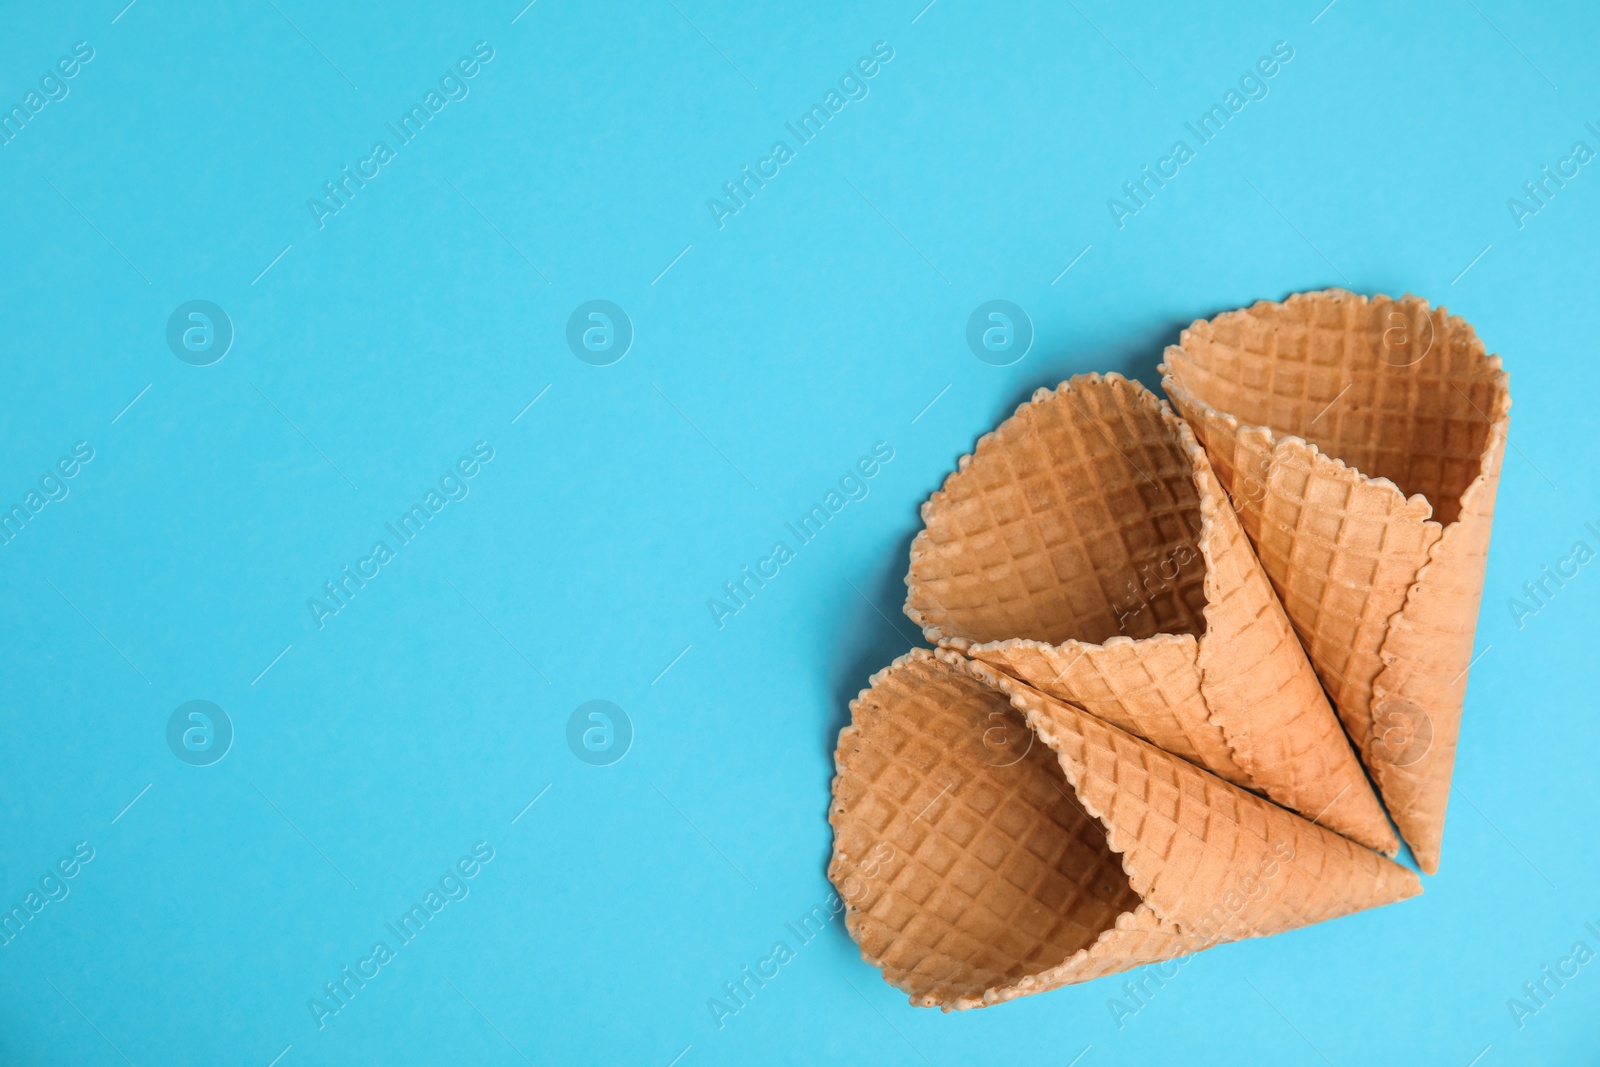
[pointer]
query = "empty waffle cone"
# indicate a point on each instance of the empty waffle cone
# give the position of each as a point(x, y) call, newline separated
point(1086, 548)
point(990, 842)
point(1360, 442)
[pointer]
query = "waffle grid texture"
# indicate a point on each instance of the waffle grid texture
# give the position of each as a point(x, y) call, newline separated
point(999, 871)
point(1086, 548)
point(1360, 442)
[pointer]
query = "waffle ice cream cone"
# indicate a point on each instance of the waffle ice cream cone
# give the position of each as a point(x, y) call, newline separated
point(990, 842)
point(1087, 548)
point(1360, 442)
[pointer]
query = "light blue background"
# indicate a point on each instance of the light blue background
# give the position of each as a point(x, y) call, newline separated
point(821, 319)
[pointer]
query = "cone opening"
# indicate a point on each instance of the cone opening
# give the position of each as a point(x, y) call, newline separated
point(1078, 518)
point(963, 853)
point(1392, 388)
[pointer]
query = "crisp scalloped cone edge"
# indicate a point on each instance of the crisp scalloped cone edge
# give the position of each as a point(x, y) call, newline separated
point(1269, 751)
point(1171, 921)
point(1352, 695)
point(1448, 589)
point(1346, 802)
point(1057, 722)
point(1077, 672)
point(1416, 794)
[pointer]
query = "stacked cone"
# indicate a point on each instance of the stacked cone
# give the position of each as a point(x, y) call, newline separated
point(1087, 548)
point(1360, 441)
point(1121, 751)
point(999, 870)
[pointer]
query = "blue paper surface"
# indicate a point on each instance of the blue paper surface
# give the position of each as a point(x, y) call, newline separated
point(531, 298)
